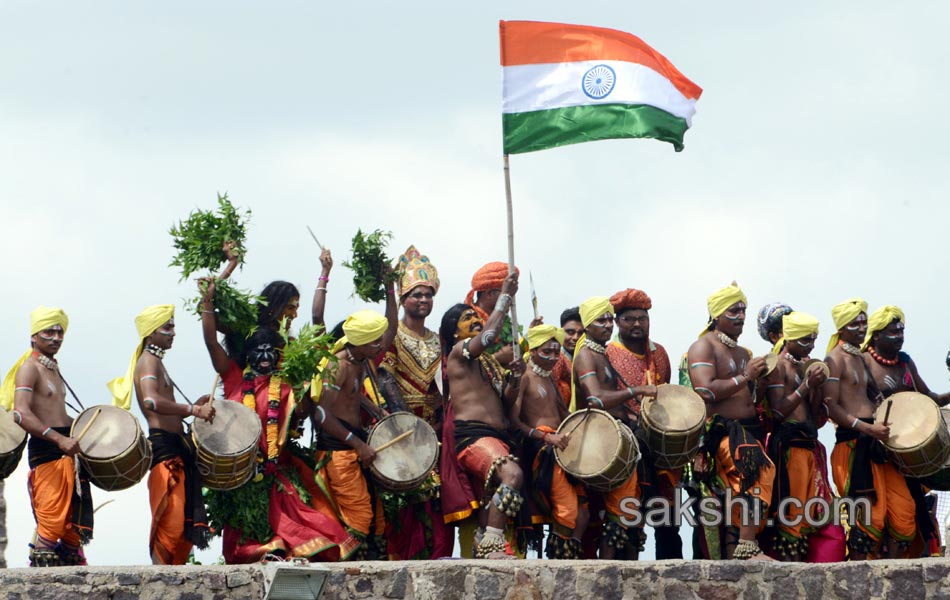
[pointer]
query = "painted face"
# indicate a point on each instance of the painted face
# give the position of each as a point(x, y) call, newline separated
point(547, 354)
point(418, 302)
point(854, 332)
point(370, 350)
point(801, 347)
point(263, 358)
point(48, 341)
point(164, 336)
point(891, 339)
point(732, 321)
point(290, 312)
point(469, 324)
point(601, 328)
point(572, 332)
point(634, 324)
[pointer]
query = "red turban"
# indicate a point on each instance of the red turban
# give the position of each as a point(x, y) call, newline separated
point(631, 299)
point(489, 277)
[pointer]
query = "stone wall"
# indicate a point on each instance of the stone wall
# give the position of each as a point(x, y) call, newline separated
point(509, 580)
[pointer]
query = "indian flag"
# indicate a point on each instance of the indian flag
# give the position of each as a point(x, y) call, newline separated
point(565, 84)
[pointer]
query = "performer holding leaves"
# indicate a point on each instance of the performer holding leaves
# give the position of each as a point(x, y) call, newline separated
point(59, 492)
point(174, 484)
point(537, 413)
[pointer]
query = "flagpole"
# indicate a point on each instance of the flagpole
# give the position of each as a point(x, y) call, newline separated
point(511, 259)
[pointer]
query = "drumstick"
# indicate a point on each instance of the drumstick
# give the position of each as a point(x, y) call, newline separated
point(89, 423)
point(396, 439)
point(887, 411)
point(579, 421)
point(314, 236)
point(214, 386)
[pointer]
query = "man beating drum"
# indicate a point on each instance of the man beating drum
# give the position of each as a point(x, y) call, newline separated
point(596, 385)
point(178, 511)
point(537, 413)
point(36, 391)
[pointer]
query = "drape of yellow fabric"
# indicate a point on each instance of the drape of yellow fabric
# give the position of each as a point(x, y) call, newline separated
point(146, 322)
point(879, 320)
point(795, 326)
point(842, 314)
point(720, 300)
point(42, 317)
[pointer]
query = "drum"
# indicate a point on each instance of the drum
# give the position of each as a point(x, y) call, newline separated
point(940, 480)
point(113, 450)
point(226, 449)
point(12, 442)
point(919, 443)
point(602, 451)
point(406, 464)
point(673, 424)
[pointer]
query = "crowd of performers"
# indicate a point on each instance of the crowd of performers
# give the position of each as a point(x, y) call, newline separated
point(497, 413)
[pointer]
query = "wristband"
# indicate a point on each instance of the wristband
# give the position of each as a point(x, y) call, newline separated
point(854, 424)
point(735, 380)
point(191, 409)
point(205, 311)
point(46, 431)
point(323, 415)
point(503, 302)
point(631, 392)
point(349, 436)
point(798, 393)
point(531, 433)
point(17, 417)
point(593, 399)
point(323, 279)
point(321, 289)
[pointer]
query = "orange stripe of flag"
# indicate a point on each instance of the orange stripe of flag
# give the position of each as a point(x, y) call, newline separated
point(533, 42)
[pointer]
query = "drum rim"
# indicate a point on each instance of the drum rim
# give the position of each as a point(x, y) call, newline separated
point(935, 433)
point(114, 410)
point(254, 444)
point(616, 424)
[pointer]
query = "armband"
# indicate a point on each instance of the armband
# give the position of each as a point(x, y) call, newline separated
point(149, 402)
point(774, 385)
point(595, 399)
point(503, 303)
point(586, 375)
point(24, 388)
point(323, 414)
point(701, 364)
point(712, 394)
point(835, 379)
point(152, 377)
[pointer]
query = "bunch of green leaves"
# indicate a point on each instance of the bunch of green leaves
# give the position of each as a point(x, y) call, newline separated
point(199, 240)
point(368, 263)
point(394, 502)
point(246, 508)
point(302, 356)
point(237, 309)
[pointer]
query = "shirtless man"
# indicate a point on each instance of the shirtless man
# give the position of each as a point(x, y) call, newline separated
point(795, 401)
point(481, 394)
point(343, 458)
point(893, 371)
point(597, 386)
point(63, 519)
point(178, 512)
point(721, 372)
point(537, 413)
point(858, 464)
point(562, 372)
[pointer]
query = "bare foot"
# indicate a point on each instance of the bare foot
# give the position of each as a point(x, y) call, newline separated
point(762, 556)
point(501, 556)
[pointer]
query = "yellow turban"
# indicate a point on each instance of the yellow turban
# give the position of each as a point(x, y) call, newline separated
point(795, 326)
point(844, 313)
point(364, 326)
point(42, 317)
point(879, 320)
point(146, 322)
point(720, 300)
point(540, 334)
point(594, 308)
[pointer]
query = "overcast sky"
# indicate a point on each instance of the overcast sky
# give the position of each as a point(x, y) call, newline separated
point(811, 173)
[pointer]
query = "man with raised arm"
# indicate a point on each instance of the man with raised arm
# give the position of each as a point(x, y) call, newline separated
point(481, 393)
point(597, 385)
point(174, 483)
point(859, 464)
point(36, 392)
point(537, 413)
point(736, 464)
point(795, 401)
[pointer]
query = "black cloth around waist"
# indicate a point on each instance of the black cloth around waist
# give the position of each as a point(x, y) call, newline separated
point(41, 450)
point(167, 445)
point(469, 432)
point(327, 442)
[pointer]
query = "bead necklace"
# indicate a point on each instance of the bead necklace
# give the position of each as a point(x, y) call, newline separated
point(538, 370)
point(851, 349)
point(725, 339)
point(598, 348)
point(887, 362)
point(155, 351)
point(49, 363)
point(793, 360)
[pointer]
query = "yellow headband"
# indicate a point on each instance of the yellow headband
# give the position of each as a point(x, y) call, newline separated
point(540, 334)
point(842, 314)
point(364, 326)
point(879, 320)
point(146, 323)
point(720, 300)
point(594, 308)
point(42, 317)
point(795, 326)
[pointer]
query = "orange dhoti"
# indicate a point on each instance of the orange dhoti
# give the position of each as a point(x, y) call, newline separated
point(561, 498)
point(761, 489)
point(166, 492)
point(52, 486)
point(892, 506)
point(340, 477)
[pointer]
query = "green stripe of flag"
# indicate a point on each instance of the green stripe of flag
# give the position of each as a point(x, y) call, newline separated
point(542, 129)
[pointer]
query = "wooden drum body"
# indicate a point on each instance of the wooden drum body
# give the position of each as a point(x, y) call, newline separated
point(673, 425)
point(114, 451)
point(405, 465)
point(226, 449)
point(602, 451)
point(919, 444)
point(12, 442)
